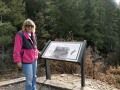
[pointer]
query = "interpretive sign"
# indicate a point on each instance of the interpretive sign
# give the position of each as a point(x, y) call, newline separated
point(68, 51)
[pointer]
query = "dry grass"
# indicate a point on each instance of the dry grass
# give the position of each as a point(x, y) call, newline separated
point(100, 71)
point(112, 77)
point(64, 67)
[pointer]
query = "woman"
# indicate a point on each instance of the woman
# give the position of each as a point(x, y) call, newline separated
point(26, 53)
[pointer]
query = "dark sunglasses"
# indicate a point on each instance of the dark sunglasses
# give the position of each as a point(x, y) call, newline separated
point(29, 26)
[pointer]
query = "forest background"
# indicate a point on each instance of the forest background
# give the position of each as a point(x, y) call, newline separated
point(97, 21)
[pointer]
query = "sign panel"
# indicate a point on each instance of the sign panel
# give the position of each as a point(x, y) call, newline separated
point(68, 51)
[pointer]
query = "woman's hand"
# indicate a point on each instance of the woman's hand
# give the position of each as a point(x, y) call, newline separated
point(19, 64)
point(39, 54)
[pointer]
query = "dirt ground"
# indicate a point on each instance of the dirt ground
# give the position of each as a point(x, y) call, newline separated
point(66, 80)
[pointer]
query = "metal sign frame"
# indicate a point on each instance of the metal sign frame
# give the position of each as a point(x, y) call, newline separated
point(57, 47)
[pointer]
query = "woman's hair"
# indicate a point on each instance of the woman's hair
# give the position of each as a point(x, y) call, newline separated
point(28, 22)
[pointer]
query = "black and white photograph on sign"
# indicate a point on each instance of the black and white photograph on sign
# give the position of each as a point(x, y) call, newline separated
point(63, 50)
point(60, 52)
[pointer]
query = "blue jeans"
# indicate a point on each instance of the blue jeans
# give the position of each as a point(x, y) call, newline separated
point(30, 74)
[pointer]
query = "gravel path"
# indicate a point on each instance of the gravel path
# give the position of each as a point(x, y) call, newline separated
point(21, 86)
point(89, 83)
point(70, 81)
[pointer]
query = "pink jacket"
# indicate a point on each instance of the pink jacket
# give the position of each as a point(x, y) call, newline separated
point(24, 55)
